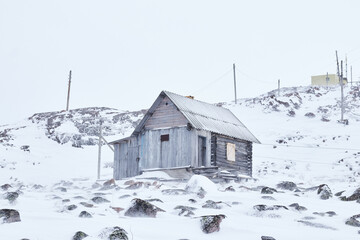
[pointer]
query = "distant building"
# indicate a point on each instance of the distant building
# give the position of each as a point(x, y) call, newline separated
point(179, 131)
point(324, 80)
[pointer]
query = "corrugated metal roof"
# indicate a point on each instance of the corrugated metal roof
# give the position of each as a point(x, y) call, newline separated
point(209, 117)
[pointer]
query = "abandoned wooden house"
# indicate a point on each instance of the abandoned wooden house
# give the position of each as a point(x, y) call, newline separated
point(179, 131)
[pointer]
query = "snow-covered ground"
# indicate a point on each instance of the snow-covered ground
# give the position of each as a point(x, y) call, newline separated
point(302, 142)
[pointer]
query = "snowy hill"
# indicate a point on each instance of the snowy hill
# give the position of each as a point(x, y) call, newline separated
point(49, 161)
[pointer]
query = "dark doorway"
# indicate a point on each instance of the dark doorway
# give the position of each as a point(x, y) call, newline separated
point(202, 151)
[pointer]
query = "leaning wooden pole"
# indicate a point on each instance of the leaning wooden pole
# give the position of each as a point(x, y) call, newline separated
point(99, 154)
point(68, 95)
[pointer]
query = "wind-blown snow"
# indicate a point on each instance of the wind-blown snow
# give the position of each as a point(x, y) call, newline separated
point(307, 150)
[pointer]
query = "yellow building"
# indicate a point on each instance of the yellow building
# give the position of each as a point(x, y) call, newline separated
point(324, 80)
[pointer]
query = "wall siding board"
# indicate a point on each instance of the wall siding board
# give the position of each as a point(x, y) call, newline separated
point(166, 115)
point(243, 156)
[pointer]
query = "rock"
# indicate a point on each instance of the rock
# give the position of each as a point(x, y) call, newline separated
point(329, 213)
point(9, 215)
point(286, 185)
point(262, 207)
point(230, 189)
point(37, 186)
point(85, 214)
point(129, 182)
point(211, 223)
point(174, 192)
point(79, 235)
point(192, 200)
point(5, 187)
point(88, 205)
point(125, 196)
point(79, 197)
point(352, 221)
point(353, 197)
point(201, 193)
point(117, 209)
point(135, 185)
point(324, 192)
point(71, 207)
point(141, 208)
point(291, 113)
point(118, 234)
point(25, 148)
point(61, 189)
point(296, 206)
point(268, 190)
point(310, 115)
point(99, 200)
point(338, 194)
point(154, 200)
point(66, 200)
point(212, 204)
point(109, 182)
point(185, 210)
point(268, 198)
point(267, 238)
point(11, 196)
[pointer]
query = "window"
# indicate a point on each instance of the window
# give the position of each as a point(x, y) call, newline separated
point(164, 138)
point(230, 152)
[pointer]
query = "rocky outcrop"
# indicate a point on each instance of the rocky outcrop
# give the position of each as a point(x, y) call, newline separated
point(141, 208)
point(79, 235)
point(211, 223)
point(324, 192)
point(9, 215)
point(286, 185)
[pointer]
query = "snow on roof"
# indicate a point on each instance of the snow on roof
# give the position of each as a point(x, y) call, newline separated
point(209, 117)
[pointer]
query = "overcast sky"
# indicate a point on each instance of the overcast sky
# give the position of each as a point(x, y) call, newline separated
point(123, 53)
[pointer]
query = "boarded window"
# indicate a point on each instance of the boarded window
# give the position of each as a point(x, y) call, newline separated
point(230, 152)
point(164, 138)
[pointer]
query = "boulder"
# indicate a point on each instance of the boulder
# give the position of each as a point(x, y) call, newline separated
point(85, 214)
point(135, 185)
point(109, 182)
point(212, 204)
point(268, 198)
point(5, 186)
point(267, 238)
point(324, 192)
point(211, 223)
point(185, 210)
point(141, 208)
point(352, 221)
point(268, 190)
point(88, 205)
point(71, 207)
point(79, 235)
point(174, 192)
point(118, 234)
point(263, 207)
point(11, 196)
point(117, 209)
point(9, 215)
point(296, 206)
point(99, 200)
point(287, 185)
point(352, 197)
point(230, 189)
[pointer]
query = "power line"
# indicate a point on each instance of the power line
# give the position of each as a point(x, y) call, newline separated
point(214, 81)
point(317, 147)
point(252, 78)
point(285, 159)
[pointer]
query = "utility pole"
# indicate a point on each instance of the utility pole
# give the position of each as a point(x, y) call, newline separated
point(235, 83)
point(351, 74)
point(99, 154)
point(68, 95)
point(346, 75)
point(342, 93)
point(327, 80)
point(278, 87)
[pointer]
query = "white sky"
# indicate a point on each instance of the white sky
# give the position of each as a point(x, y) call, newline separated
point(123, 53)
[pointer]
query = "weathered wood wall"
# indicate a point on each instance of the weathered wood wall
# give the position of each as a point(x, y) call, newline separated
point(243, 154)
point(126, 159)
point(180, 150)
point(166, 115)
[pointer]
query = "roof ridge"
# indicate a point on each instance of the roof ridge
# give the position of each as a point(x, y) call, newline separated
point(210, 104)
point(220, 120)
